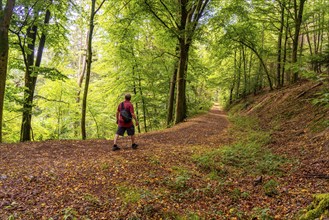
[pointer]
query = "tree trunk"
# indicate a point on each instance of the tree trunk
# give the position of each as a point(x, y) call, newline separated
point(238, 79)
point(244, 60)
point(136, 109)
point(80, 77)
point(88, 71)
point(143, 102)
point(189, 13)
point(278, 68)
point(234, 80)
point(31, 79)
point(249, 72)
point(89, 60)
point(181, 92)
point(5, 17)
point(298, 23)
point(172, 96)
point(29, 88)
point(284, 59)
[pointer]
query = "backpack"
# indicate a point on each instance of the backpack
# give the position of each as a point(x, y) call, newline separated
point(126, 115)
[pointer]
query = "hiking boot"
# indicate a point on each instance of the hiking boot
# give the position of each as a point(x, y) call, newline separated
point(134, 146)
point(115, 147)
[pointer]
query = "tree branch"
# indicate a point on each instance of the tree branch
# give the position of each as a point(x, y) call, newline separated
point(159, 19)
point(99, 7)
point(50, 100)
point(171, 15)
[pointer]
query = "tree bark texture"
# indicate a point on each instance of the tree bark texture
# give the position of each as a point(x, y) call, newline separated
point(5, 17)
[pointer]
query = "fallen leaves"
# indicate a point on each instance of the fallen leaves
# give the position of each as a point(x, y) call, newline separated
point(160, 180)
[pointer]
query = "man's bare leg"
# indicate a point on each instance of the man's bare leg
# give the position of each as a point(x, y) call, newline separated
point(133, 145)
point(115, 146)
point(116, 139)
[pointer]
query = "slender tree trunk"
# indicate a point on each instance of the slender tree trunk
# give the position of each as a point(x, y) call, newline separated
point(249, 72)
point(172, 96)
point(308, 40)
point(234, 80)
point(5, 17)
point(89, 61)
point(80, 77)
point(172, 87)
point(279, 53)
point(298, 21)
point(88, 71)
point(137, 111)
point(301, 48)
point(135, 92)
point(143, 102)
point(284, 59)
point(59, 116)
point(238, 79)
point(244, 60)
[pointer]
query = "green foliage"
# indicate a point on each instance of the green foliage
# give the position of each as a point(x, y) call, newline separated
point(129, 195)
point(49, 73)
point(133, 52)
point(92, 199)
point(248, 154)
point(322, 98)
point(179, 178)
point(11, 217)
point(69, 214)
point(319, 209)
point(262, 213)
point(270, 188)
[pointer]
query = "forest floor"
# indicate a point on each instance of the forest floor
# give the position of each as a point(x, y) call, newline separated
point(167, 177)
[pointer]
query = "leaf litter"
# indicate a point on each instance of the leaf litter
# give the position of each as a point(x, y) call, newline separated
point(160, 180)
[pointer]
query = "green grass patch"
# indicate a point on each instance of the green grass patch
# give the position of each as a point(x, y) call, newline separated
point(319, 209)
point(319, 125)
point(271, 188)
point(247, 155)
point(178, 180)
point(129, 194)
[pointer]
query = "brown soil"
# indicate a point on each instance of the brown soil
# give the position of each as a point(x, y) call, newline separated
point(86, 180)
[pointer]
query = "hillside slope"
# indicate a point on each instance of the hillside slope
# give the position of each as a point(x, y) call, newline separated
point(299, 129)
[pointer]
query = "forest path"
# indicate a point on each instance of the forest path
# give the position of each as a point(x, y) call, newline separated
point(41, 179)
point(207, 129)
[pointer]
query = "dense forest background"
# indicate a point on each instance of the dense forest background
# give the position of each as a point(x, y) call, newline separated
point(65, 65)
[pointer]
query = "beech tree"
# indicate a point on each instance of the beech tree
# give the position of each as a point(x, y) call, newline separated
point(88, 70)
point(31, 74)
point(181, 18)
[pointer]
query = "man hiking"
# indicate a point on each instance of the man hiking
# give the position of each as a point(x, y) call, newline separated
point(125, 114)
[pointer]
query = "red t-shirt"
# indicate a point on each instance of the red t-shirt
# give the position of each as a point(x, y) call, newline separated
point(130, 108)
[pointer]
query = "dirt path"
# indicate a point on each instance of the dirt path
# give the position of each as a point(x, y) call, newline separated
point(52, 179)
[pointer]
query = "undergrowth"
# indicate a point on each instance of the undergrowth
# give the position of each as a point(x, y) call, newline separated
point(248, 155)
point(319, 209)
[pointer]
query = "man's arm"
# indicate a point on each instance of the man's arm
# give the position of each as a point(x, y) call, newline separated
point(117, 116)
point(134, 117)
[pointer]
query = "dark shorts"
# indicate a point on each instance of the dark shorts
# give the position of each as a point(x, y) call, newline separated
point(130, 131)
